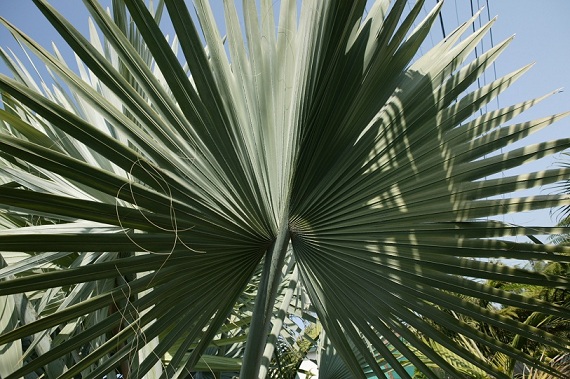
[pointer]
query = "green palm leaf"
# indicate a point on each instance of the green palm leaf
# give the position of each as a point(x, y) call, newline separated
point(177, 190)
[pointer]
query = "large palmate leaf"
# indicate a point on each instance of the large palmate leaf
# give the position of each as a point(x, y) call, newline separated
point(190, 210)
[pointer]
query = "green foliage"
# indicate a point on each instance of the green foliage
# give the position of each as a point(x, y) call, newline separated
point(542, 351)
point(312, 165)
point(288, 357)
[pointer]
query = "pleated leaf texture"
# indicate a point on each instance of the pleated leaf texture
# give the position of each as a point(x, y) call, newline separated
point(171, 206)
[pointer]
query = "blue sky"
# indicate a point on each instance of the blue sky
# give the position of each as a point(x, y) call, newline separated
point(542, 36)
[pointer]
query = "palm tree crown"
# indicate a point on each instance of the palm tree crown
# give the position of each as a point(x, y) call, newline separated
point(173, 217)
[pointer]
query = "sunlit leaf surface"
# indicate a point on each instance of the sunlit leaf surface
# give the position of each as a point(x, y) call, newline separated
point(173, 206)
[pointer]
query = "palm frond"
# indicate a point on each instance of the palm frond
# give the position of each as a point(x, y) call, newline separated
point(319, 145)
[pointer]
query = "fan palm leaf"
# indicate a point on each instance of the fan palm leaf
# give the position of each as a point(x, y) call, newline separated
point(184, 185)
